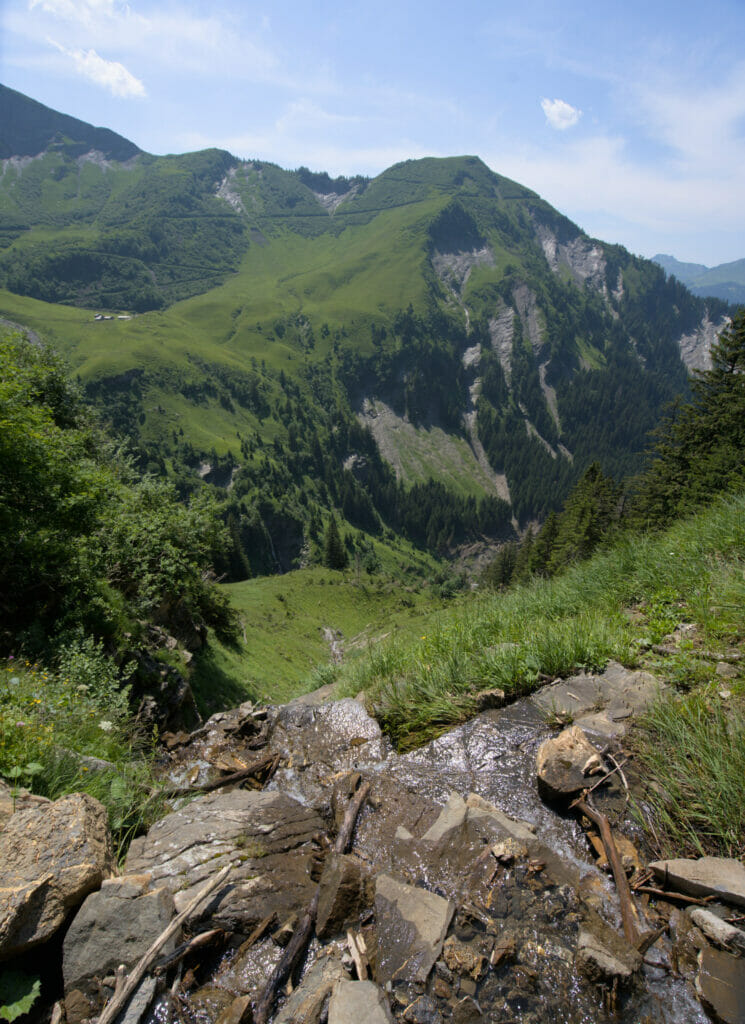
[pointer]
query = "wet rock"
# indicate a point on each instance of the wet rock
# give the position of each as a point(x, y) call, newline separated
point(318, 743)
point(462, 958)
point(720, 932)
point(721, 986)
point(452, 816)
point(564, 763)
point(307, 1002)
point(342, 893)
point(467, 1011)
point(422, 1011)
point(52, 856)
point(353, 1002)
point(78, 1007)
point(239, 1012)
point(115, 925)
point(268, 838)
point(14, 799)
point(208, 1002)
point(411, 925)
point(601, 964)
point(723, 877)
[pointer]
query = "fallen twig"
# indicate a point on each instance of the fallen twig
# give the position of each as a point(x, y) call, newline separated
point(256, 768)
point(203, 939)
point(358, 951)
point(613, 771)
point(651, 890)
point(629, 913)
point(119, 1000)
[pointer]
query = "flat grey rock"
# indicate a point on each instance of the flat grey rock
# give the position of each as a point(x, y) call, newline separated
point(723, 877)
point(115, 925)
point(721, 986)
point(618, 691)
point(358, 1002)
point(411, 926)
point(307, 1001)
point(599, 963)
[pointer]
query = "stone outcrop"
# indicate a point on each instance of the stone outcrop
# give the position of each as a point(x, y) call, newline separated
point(115, 925)
point(52, 855)
point(270, 840)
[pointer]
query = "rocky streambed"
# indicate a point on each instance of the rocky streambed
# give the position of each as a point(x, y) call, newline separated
point(466, 893)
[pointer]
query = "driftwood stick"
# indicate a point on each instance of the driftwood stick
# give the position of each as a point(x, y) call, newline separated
point(629, 913)
point(227, 780)
point(118, 1001)
point(350, 818)
point(203, 939)
point(358, 950)
point(302, 935)
point(607, 775)
point(679, 897)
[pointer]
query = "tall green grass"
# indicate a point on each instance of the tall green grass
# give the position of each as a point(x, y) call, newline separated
point(554, 627)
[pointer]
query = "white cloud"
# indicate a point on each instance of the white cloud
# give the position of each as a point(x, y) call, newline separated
point(109, 74)
point(560, 114)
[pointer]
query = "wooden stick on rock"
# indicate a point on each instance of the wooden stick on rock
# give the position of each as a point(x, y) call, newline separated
point(119, 1000)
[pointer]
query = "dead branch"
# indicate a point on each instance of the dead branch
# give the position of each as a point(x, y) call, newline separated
point(203, 939)
point(256, 768)
point(629, 913)
point(613, 771)
point(119, 1000)
point(358, 951)
point(680, 897)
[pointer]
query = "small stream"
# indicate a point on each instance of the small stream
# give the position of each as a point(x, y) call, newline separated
point(535, 904)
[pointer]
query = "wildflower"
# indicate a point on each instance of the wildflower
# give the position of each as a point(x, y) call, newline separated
point(105, 725)
point(14, 680)
point(20, 725)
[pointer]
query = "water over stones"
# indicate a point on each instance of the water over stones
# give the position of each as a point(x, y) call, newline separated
point(470, 893)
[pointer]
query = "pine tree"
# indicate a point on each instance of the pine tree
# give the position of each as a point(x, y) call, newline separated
point(334, 552)
point(699, 450)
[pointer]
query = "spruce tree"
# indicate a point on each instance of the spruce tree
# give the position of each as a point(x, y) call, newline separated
point(334, 552)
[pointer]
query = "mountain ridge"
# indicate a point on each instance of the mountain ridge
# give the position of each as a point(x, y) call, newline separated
point(724, 281)
point(500, 347)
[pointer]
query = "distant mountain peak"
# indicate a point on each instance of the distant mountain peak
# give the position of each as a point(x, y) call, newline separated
point(28, 128)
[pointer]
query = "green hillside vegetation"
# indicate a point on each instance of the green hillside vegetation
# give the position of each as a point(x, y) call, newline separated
point(275, 306)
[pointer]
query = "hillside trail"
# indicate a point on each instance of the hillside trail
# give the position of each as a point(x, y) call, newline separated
point(464, 896)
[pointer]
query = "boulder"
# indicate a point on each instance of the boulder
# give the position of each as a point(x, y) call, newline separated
point(52, 857)
point(269, 839)
point(342, 893)
point(353, 1002)
point(602, 964)
point(411, 925)
point(723, 877)
point(721, 985)
point(564, 763)
point(115, 925)
point(307, 1001)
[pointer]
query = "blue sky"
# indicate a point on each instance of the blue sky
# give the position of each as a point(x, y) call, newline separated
point(628, 117)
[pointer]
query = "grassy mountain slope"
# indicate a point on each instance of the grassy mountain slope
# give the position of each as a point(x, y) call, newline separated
point(509, 348)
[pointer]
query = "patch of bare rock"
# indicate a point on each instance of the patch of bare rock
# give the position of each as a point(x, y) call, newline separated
point(464, 895)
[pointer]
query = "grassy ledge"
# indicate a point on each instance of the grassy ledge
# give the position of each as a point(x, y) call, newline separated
point(581, 619)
